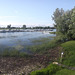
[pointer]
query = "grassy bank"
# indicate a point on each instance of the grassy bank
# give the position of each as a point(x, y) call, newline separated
point(68, 60)
point(53, 69)
point(69, 53)
point(65, 72)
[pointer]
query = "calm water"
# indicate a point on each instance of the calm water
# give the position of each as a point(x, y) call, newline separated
point(20, 40)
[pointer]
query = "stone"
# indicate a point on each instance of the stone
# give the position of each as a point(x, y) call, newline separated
point(55, 62)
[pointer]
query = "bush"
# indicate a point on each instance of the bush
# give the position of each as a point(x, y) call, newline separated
point(53, 68)
point(50, 70)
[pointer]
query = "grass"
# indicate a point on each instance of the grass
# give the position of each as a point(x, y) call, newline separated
point(52, 32)
point(65, 72)
point(43, 40)
point(68, 59)
point(13, 53)
point(44, 47)
point(69, 53)
point(53, 69)
point(50, 70)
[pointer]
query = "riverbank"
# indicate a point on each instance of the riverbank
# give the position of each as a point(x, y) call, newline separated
point(18, 65)
point(25, 65)
point(65, 64)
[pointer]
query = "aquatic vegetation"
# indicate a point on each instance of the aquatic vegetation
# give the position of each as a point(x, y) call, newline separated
point(44, 47)
point(13, 53)
point(19, 47)
point(52, 32)
point(43, 40)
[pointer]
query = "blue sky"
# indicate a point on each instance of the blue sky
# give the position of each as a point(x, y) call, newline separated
point(31, 12)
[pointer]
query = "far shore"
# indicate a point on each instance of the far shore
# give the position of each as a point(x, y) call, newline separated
point(25, 30)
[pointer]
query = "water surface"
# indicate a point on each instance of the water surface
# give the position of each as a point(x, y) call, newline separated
point(21, 40)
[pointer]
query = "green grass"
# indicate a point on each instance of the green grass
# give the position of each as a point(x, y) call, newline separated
point(52, 32)
point(69, 53)
point(13, 53)
point(50, 70)
point(68, 59)
point(43, 40)
point(44, 47)
point(53, 69)
point(65, 72)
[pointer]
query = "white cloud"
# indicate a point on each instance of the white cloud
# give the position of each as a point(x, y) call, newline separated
point(7, 17)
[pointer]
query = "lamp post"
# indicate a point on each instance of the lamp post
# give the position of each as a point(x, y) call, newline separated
point(61, 56)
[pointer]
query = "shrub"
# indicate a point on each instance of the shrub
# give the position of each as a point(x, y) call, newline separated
point(53, 68)
point(50, 70)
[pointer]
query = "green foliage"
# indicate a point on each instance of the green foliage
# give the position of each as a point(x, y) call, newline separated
point(69, 53)
point(50, 70)
point(52, 32)
point(65, 23)
point(65, 72)
point(61, 38)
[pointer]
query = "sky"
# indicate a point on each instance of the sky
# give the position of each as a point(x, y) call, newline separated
point(31, 12)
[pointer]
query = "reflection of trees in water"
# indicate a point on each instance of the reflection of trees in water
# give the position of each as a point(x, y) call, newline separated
point(7, 37)
point(2, 37)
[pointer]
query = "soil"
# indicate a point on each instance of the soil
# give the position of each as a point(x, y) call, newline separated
point(19, 65)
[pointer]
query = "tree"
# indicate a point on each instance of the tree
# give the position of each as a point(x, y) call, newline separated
point(71, 31)
point(24, 27)
point(65, 23)
point(9, 26)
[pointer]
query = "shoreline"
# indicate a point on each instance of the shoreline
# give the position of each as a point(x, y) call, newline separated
point(17, 65)
point(26, 30)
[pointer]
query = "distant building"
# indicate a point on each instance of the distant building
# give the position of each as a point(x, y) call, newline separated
point(24, 27)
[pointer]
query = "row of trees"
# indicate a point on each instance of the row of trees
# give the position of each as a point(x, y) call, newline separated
point(40, 27)
point(9, 27)
point(24, 27)
point(65, 23)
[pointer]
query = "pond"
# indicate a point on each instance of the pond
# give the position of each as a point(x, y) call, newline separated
point(21, 40)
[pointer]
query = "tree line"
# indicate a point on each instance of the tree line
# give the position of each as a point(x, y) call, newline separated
point(25, 27)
